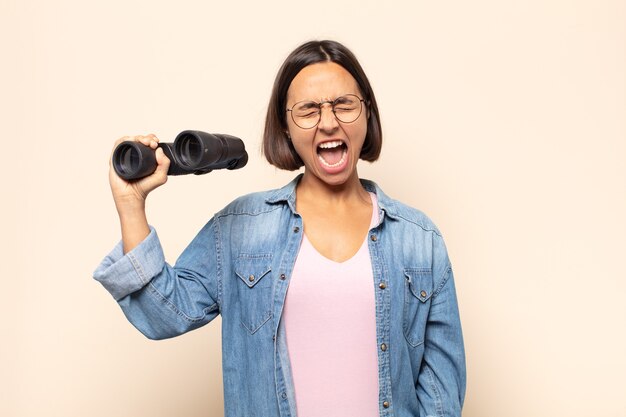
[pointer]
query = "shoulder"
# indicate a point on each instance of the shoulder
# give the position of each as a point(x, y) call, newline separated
point(416, 238)
point(262, 201)
point(251, 224)
point(398, 211)
point(250, 204)
point(416, 217)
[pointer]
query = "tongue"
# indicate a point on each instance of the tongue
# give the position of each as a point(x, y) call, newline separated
point(331, 156)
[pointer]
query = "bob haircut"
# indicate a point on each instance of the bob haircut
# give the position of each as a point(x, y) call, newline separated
point(277, 145)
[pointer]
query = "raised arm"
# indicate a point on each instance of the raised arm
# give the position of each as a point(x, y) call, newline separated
point(159, 300)
point(130, 197)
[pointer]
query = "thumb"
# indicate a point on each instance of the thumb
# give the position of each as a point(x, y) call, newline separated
point(163, 162)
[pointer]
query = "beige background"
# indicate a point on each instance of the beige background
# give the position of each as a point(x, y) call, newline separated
point(503, 121)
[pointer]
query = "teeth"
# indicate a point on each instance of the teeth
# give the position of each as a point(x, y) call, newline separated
point(341, 161)
point(331, 144)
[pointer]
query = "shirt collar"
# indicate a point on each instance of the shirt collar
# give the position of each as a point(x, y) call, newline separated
point(287, 194)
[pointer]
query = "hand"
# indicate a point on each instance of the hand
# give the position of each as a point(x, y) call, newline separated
point(132, 195)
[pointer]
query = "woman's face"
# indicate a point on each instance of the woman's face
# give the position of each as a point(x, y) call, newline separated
point(330, 151)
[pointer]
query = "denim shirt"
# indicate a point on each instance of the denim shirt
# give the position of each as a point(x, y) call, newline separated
point(239, 265)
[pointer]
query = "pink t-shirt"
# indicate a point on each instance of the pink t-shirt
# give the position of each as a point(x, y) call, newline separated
point(330, 325)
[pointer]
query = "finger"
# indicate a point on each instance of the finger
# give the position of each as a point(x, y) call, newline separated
point(163, 162)
point(159, 176)
point(153, 137)
point(122, 139)
point(145, 140)
point(154, 141)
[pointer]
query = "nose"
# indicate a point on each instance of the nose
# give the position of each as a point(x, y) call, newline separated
point(328, 121)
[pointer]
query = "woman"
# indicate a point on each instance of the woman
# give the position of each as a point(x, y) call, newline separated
point(336, 300)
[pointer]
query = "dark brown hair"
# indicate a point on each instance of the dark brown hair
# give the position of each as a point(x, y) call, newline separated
point(277, 146)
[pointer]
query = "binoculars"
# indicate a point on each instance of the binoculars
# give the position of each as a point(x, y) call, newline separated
point(192, 152)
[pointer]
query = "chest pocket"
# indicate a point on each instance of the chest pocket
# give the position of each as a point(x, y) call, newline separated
point(418, 289)
point(255, 289)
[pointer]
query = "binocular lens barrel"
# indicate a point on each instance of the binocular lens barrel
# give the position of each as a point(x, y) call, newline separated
point(193, 152)
point(133, 160)
point(189, 148)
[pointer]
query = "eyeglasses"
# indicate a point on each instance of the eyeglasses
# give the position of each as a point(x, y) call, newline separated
point(307, 114)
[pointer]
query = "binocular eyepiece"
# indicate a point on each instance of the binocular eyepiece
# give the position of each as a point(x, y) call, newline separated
point(193, 152)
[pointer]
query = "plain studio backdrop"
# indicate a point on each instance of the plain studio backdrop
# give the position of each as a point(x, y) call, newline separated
point(503, 121)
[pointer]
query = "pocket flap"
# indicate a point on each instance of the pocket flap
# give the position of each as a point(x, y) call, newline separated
point(420, 282)
point(251, 268)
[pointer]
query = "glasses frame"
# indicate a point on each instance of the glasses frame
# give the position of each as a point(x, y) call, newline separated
point(332, 106)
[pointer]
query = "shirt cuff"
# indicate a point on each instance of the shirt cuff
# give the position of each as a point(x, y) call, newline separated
point(124, 274)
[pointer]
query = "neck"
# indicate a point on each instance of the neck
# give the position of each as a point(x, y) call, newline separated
point(311, 187)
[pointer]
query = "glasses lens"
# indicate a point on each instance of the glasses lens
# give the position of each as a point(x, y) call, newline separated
point(306, 114)
point(347, 108)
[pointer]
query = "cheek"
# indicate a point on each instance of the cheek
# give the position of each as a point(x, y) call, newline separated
point(299, 149)
point(302, 144)
point(358, 133)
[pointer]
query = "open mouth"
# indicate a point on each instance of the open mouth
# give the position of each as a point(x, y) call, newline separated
point(333, 153)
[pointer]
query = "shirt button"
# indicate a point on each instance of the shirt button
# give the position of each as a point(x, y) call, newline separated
point(383, 347)
point(382, 285)
point(284, 395)
point(386, 404)
point(251, 278)
point(282, 277)
point(423, 293)
point(296, 229)
point(374, 238)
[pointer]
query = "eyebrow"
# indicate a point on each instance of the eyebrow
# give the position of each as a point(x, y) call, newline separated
point(343, 99)
point(310, 103)
point(307, 104)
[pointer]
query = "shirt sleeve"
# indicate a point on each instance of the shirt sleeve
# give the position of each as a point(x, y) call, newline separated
point(161, 300)
point(122, 275)
point(442, 378)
